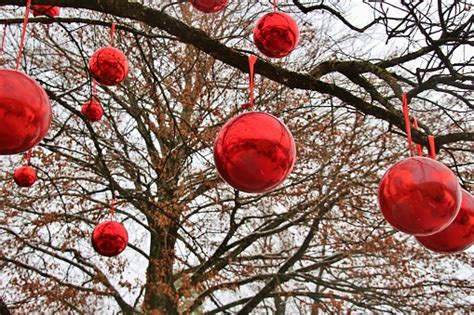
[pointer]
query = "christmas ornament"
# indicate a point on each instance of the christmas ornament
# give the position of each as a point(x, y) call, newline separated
point(209, 6)
point(25, 112)
point(109, 238)
point(254, 152)
point(276, 34)
point(459, 235)
point(46, 10)
point(92, 110)
point(24, 176)
point(108, 66)
point(419, 196)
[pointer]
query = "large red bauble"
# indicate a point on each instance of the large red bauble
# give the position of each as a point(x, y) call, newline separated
point(92, 110)
point(419, 196)
point(24, 176)
point(254, 152)
point(109, 238)
point(108, 66)
point(209, 6)
point(459, 235)
point(47, 10)
point(276, 34)
point(25, 112)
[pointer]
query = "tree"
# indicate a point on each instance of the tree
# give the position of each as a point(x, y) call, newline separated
point(316, 243)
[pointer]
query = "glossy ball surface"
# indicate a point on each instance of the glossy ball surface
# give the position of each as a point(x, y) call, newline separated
point(254, 152)
point(276, 34)
point(24, 176)
point(46, 10)
point(92, 110)
point(25, 112)
point(209, 6)
point(419, 196)
point(459, 235)
point(109, 238)
point(108, 66)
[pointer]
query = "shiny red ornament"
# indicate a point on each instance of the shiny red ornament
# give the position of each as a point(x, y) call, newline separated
point(92, 110)
point(459, 235)
point(24, 176)
point(276, 34)
point(46, 10)
point(108, 66)
point(25, 112)
point(254, 152)
point(109, 238)
point(209, 6)
point(419, 196)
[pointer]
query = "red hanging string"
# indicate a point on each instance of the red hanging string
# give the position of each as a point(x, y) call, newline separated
point(274, 5)
point(252, 60)
point(28, 157)
point(406, 114)
point(419, 150)
point(112, 34)
point(432, 145)
point(94, 88)
point(3, 39)
point(23, 33)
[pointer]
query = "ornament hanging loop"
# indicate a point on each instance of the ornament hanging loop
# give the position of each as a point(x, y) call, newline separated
point(251, 102)
point(419, 150)
point(406, 114)
point(432, 146)
point(23, 33)
point(112, 35)
point(274, 5)
point(28, 157)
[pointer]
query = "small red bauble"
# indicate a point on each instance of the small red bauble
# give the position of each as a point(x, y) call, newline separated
point(419, 196)
point(459, 235)
point(209, 6)
point(25, 112)
point(108, 66)
point(24, 176)
point(254, 152)
point(276, 34)
point(47, 10)
point(109, 238)
point(92, 110)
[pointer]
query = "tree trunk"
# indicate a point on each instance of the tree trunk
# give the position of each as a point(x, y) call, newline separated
point(160, 294)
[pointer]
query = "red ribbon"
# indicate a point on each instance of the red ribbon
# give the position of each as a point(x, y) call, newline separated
point(419, 150)
point(432, 145)
point(28, 157)
point(23, 33)
point(274, 5)
point(406, 114)
point(112, 34)
point(252, 60)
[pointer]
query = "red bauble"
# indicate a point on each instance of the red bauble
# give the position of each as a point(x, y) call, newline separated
point(24, 176)
point(419, 196)
point(459, 235)
point(209, 6)
point(25, 112)
point(276, 34)
point(92, 110)
point(47, 10)
point(109, 238)
point(108, 66)
point(254, 152)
